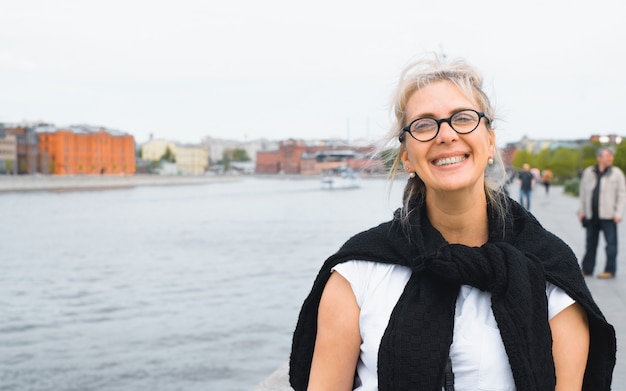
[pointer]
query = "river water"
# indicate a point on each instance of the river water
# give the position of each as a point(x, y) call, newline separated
point(166, 288)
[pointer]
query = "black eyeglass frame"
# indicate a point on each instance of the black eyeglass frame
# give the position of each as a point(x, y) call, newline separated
point(448, 120)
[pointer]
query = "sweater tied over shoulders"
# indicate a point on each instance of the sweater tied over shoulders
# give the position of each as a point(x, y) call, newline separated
point(518, 259)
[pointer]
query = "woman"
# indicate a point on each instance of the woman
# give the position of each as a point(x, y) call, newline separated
point(462, 289)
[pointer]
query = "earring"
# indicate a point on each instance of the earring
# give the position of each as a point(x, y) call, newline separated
point(490, 161)
point(411, 175)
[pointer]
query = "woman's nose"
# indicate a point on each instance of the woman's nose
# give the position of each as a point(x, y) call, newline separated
point(446, 133)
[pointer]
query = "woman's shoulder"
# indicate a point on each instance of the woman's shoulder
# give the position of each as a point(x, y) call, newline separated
point(372, 269)
point(374, 282)
point(364, 275)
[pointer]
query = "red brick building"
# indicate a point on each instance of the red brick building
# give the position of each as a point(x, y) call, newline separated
point(286, 160)
point(268, 162)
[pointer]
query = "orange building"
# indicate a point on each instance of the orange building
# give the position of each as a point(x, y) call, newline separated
point(85, 150)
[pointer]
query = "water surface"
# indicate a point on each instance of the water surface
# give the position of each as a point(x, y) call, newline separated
point(166, 288)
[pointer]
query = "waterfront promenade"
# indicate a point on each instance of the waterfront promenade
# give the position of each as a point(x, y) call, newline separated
point(556, 212)
point(13, 183)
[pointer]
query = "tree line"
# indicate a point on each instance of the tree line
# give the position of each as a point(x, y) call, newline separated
point(566, 163)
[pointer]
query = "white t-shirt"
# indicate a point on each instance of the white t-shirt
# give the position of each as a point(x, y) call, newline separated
point(479, 360)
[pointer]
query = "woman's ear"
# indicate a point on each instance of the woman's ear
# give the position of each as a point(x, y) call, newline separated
point(406, 164)
point(492, 144)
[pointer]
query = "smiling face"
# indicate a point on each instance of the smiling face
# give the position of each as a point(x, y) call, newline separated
point(450, 162)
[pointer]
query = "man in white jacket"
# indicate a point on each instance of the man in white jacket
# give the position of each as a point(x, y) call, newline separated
point(602, 199)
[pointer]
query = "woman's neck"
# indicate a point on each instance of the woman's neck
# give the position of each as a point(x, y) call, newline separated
point(460, 218)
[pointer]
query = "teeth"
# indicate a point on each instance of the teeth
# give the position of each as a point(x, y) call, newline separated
point(450, 160)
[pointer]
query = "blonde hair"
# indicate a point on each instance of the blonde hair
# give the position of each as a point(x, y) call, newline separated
point(420, 74)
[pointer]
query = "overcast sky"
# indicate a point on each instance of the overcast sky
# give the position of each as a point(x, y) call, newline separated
point(246, 69)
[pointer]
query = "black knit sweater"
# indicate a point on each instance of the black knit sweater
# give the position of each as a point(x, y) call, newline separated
point(519, 257)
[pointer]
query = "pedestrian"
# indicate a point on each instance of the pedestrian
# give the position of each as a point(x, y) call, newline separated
point(462, 288)
point(526, 181)
point(546, 178)
point(602, 196)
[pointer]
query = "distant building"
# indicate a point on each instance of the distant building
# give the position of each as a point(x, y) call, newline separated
point(269, 162)
point(8, 154)
point(190, 159)
point(85, 150)
point(537, 145)
point(218, 147)
point(27, 151)
point(284, 161)
point(154, 150)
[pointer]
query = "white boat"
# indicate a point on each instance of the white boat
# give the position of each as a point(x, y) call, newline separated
point(342, 177)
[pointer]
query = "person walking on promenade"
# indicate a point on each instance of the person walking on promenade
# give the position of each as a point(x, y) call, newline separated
point(546, 178)
point(526, 181)
point(463, 288)
point(602, 197)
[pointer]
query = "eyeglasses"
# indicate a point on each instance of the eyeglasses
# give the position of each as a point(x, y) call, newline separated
point(426, 129)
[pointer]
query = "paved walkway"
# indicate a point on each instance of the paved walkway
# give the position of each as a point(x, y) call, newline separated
point(557, 212)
